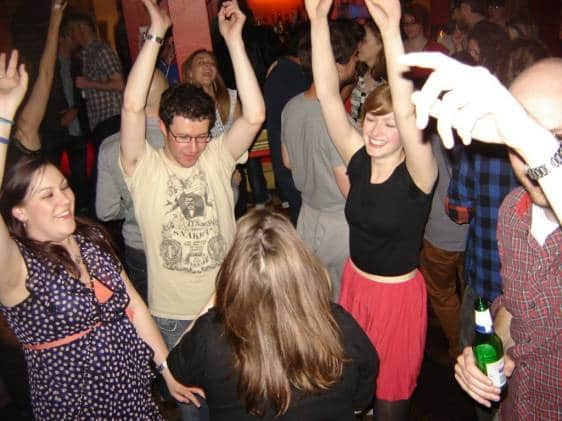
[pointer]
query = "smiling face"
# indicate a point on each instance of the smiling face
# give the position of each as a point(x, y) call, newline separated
point(203, 69)
point(381, 135)
point(47, 210)
point(184, 154)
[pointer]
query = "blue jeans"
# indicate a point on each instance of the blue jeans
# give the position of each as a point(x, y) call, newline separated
point(171, 330)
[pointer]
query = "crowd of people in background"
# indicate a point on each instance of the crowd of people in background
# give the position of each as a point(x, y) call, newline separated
point(153, 277)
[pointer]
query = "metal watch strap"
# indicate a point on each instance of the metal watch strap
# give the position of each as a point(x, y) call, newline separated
point(545, 169)
point(155, 38)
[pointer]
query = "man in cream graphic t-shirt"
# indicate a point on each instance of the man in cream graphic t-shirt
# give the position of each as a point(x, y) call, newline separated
point(182, 193)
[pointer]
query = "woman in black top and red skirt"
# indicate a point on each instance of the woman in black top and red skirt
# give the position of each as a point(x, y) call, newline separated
point(392, 173)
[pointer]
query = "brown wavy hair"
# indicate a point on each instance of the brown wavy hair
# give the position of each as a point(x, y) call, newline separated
point(220, 92)
point(273, 299)
point(17, 182)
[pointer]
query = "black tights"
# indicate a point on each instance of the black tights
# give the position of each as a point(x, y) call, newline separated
point(391, 410)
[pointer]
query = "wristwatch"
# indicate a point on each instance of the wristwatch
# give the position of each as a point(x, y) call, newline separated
point(546, 168)
point(155, 38)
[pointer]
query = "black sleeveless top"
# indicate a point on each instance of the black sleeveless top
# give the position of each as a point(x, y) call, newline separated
point(386, 220)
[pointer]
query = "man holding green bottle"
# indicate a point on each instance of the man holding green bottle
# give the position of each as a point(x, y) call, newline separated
point(527, 314)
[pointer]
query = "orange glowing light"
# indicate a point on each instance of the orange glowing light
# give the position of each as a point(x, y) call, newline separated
point(269, 10)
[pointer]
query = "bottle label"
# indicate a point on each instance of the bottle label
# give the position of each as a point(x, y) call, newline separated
point(483, 321)
point(495, 372)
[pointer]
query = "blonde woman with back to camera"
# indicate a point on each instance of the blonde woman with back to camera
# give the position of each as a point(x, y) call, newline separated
point(274, 346)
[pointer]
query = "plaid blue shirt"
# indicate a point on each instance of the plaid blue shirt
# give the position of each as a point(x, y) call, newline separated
point(479, 183)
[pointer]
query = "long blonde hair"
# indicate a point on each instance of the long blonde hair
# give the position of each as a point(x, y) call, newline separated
point(273, 298)
point(219, 90)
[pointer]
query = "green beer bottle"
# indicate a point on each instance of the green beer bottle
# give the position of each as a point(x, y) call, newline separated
point(488, 347)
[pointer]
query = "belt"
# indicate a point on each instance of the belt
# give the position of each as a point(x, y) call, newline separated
point(59, 342)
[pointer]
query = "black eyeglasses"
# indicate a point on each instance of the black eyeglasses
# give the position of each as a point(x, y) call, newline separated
point(185, 138)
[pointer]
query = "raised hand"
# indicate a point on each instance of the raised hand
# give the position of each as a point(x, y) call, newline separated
point(385, 13)
point(13, 85)
point(159, 17)
point(231, 21)
point(57, 9)
point(318, 8)
point(475, 102)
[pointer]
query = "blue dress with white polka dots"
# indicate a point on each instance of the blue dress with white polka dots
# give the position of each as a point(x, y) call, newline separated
point(104, 374)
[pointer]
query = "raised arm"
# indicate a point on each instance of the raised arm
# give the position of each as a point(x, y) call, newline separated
point(133, 125)
point(326, 81)
point(479, 107)
point(33, 111)
point(13, 85)
point(244, 129)
point(419, 156)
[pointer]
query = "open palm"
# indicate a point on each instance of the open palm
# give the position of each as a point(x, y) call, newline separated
point(13, 84)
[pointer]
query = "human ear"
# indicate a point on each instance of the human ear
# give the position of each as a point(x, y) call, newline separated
point(20, 214)
point(163, 129)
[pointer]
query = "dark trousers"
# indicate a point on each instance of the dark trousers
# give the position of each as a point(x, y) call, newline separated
point(257, 180)
point(105, 129)
point(284, 179)
point(135, 262)
point(54, 143)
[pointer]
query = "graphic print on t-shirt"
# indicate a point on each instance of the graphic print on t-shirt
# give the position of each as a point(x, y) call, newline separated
point(191, 239)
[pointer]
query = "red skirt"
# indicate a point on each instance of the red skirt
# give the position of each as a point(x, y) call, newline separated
point(394, 317)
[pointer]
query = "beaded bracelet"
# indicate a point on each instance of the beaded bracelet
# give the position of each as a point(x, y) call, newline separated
point(4, 140)
point(6, 121)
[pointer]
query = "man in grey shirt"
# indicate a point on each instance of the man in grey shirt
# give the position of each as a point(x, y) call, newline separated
point(113, 201)
point(442, 256)
point(318, 170)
